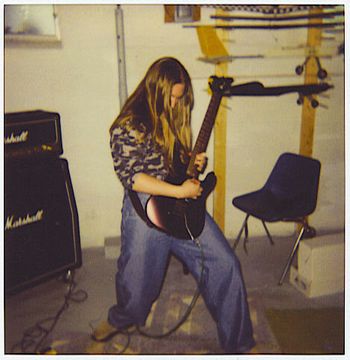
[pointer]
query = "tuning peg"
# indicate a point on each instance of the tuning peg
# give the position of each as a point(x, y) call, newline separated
point(300, 68)
point(322, 73)
point(314, 103)
point(300, 100)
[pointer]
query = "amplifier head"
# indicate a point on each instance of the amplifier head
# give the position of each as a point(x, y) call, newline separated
point(32, 134)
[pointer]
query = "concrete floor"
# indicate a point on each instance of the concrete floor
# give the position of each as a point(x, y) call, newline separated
point(261, 267)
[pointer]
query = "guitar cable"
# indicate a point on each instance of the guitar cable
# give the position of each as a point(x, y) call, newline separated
point(194, 298)
point(186, 313)
point(34, 337)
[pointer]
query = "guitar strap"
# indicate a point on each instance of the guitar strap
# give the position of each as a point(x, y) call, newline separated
point(136, 202)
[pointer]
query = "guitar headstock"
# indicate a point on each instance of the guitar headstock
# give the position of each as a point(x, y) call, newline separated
point(220, 84)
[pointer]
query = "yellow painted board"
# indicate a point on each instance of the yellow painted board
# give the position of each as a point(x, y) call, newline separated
point(308, 112)
point(211, 45)
point(220, 133)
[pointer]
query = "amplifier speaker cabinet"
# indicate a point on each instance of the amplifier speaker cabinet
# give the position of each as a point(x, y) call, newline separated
point(41, 222)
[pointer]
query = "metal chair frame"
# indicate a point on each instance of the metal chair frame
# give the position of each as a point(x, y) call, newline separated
point(305, 226)
point(304, 231)
point(245, 228)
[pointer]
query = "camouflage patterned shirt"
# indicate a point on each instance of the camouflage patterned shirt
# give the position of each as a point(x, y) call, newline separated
point(131, 157)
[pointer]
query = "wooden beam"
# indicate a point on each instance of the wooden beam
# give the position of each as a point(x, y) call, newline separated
point(196, 13)
point(211, 45)
point(308, 112)
point(169, 13)
point(220, 134)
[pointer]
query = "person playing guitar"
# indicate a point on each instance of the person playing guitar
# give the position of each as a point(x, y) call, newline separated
point(153, 157)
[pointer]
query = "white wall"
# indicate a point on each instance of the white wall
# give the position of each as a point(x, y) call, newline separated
point(79, 80)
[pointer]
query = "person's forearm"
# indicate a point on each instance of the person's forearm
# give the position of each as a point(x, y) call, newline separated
point(153, 186)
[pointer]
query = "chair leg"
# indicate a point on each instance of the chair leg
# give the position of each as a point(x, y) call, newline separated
point(245, 241)
point(268, 233)
point(240, 231)
point(291, 256)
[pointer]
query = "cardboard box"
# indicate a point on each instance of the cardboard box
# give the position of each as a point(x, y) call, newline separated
point(321, 266)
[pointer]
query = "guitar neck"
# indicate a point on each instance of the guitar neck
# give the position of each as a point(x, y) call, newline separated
point(204, 133)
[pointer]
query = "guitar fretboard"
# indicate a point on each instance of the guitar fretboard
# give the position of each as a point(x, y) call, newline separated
point(204, 133)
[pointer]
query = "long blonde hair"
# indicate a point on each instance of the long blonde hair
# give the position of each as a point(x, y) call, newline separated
point(148, 109)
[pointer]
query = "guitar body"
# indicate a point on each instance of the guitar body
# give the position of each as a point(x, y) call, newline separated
point(181, 218)
point(185, 218)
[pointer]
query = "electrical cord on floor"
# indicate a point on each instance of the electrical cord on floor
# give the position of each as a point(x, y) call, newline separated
point(142, 332)
point(189, 309)
point(34, 337)
point(127, 334)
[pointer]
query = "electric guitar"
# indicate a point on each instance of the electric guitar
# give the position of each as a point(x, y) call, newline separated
point(185, 218)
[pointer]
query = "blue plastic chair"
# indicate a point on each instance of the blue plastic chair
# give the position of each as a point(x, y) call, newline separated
point(289, 194)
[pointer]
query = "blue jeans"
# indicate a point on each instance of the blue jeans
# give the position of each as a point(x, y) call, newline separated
point(142, 266)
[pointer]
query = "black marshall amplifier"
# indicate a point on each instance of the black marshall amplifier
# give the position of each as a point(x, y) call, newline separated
point(41, 225)
point(32, 133)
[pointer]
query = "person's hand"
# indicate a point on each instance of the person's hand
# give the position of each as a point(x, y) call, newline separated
point(191, 188)
point(201, 161)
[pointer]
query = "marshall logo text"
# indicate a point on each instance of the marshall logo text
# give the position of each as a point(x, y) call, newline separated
point(12, 223)
point(15, 139)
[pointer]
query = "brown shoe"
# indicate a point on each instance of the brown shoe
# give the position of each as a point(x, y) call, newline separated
point(104, 332)
point(253, 351)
